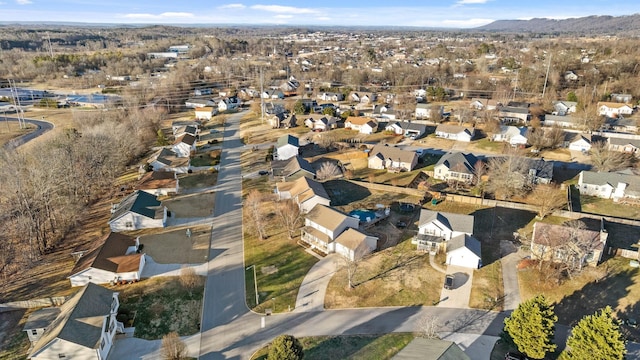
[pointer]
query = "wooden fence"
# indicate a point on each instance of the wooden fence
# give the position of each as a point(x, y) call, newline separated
point(33, 303)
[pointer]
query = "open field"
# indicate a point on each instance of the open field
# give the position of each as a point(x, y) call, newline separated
point(191, 206)
point(174, 247)
point(354, 347)
point(397, 276)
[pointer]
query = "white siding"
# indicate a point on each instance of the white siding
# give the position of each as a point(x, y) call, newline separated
point(463, 257)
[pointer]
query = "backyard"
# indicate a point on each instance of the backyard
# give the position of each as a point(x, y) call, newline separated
point(596, 205)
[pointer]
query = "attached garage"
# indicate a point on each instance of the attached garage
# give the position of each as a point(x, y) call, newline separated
point(464, 250)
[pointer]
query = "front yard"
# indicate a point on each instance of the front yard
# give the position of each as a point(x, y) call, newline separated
point(198, 180)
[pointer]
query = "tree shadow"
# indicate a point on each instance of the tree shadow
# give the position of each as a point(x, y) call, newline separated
point(343, 192)
point(495, 224)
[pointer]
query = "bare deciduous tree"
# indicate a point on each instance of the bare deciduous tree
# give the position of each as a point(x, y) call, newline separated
point(548, 198)
point(254, 210)
point(508, 176)
point(290, 215)
point(173, 348)
point(606, 160)
point(189, 279)
point(328, 170)
point(428, 326)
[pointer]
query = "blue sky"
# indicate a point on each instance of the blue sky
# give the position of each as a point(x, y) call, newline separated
point(425, 13)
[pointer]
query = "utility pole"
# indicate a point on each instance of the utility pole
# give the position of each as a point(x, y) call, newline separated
point(515, 88)
point(546, 77)
point(16, 101)
point(50, 48)
point(261, 98)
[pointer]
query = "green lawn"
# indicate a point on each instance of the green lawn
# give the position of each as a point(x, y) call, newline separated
point(356, 347)
point(159, 306)
point(488, 145)
point(207, 158)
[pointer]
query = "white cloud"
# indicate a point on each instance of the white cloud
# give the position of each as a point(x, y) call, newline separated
point(164, 15)
point(175, 14)
point(466, 2)
point(284, 9)
point(283, 16)
point(232, 6)
point(23, 2)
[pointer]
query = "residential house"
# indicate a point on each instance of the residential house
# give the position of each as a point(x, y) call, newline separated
point(566, 121)
point(159, 183)
point(431, 349)
point(139, 210)
point(283, 121)
point(464, 250)
point(38, 322)
point(363, 97)
point(383, 111)
point(581, 142)
point(184, 145)
point(429, 111)
point(383, 156)
point(563, 108)
point(407, 128)
point(331, 96)
point(272, 94)
point(321, 122)
point(567, 244)
point(618, 186)
point(229, 103)
point(84, 329)
point(436, 229)
point(621, 144)
point(307, 193)
point(168, 160)
point(287, 146)
point(188, 129)
point(484, 104)
point(515, 136)
point(613, 109)
point(621, 98)
point(456, 166)
point(205, 113)
point(178, 124)
point(202, 102)
point(119, 258)
point(363, 125)
point(513, 114)
point(540, 171)
point(323, 225)
point(292, 169)
point(621, 124)
point(353, 245)
point(455, 132)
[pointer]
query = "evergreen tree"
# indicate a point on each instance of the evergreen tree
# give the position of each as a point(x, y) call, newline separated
point(596, 336)
point(285, 347)
point(531, 327)
point(299, 108)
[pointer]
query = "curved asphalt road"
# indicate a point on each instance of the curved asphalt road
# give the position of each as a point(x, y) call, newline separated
point(41, 128)
point(231, 331)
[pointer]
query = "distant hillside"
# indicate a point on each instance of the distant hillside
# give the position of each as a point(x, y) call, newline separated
point(629, 25)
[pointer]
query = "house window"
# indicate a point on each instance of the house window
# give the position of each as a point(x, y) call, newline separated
point(62, 356)
point(34, 332)
point(102, 344)
point(128, 224)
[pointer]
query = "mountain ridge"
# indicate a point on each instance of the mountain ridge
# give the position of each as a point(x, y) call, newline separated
point(594, 24)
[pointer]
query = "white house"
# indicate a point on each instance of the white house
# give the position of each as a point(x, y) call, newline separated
point(409, 129)
point(609, 185)
point(435, 229)
point(455, 132)
point(515, 136)
point(118, 259)
point(353, 244)
point(613, 109)
point(363, 125)
point(286, 147)
point(464, 250)
point(456, 166)
point(84, 329)
point(307, 193)
point(323, 225)
point(228, 103)
point(429, 111)
point(184, 145)
point(205, 113)
point(563, 108)
point(321, 122)
point(483, 104)
point(581, 142)
point(159, 183)
point(38, 322)
point(363, 97)
point(168, 160)
point(567, 121)
point(392, 158)
point(140, 210)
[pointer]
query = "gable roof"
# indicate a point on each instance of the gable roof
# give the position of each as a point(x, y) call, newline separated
point(358, 120)
point(186, 138)
point(466, 241)
point(460, 162)
point(111, 256)
point(454, 129)
point(139, 202)
point(291, 166)
point(326, 216)
point(81, 318)
point(157, 180)
point(623, 141)
point(454, 222)
point(543, 168)
point(287, 140)
point(612, 179)
point(168, 157)
point(41, 318)
point(384, 151)
point(612, 105)
point(305, 188)
point(511, 131)
point(351, 238)
point(431, 349)
point(554, 235)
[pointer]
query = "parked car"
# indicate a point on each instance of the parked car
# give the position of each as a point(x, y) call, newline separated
point(514, 356)
point(448, 282)
point(401, 224)
point(631, 323)
point(263, 172)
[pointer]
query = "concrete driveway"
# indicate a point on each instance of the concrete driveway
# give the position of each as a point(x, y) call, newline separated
point(458, 296)
point(510, 259)
point(314, 286)
point(153, 269)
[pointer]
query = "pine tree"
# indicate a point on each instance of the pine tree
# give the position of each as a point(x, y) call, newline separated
point(531, 327)
point(596, 336)
point(285, 347)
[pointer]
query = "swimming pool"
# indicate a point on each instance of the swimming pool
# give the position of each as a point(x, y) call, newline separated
point(363, 215)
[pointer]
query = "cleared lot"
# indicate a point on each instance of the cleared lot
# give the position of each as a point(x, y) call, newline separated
point(174, 247)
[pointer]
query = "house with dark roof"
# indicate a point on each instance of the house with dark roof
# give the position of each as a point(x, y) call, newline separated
point(409, 129)
point(436, 229)
point(287, 146)
point(84, 329)
point(513, 114)
point(167, 160)
point(38, 322)
point(159, 183)
point(139, 210)
point(456, 166)
point(383, 156)
point(292, 169)
point(455, 132)
point(307, 193)
point(610, 185)
point(540, 171)
point(283, 121)
point(431, 349)
point(184, 145)
point(568, 244)
point(320, 122)
point(118, 258)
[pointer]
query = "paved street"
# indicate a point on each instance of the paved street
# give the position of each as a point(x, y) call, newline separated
point(41, 128)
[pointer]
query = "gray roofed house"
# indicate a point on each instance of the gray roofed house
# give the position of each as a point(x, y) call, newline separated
point(563, 121)
point(383, 156)
point(168, 160)
point(292, 169)
point(540, 171)
point(139, 210)
point(464, 250)
point(436, 228)
point(456, 166)
point(323, 225)
point(286, 147)
point(610, 185)
point(431, 349)
point(38, 322)
point(513, 114)
point(455, 132)
point(623, 144)
point(85, 327)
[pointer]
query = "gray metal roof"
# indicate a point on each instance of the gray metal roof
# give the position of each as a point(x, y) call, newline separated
point(139, 202)
point(431, 349)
